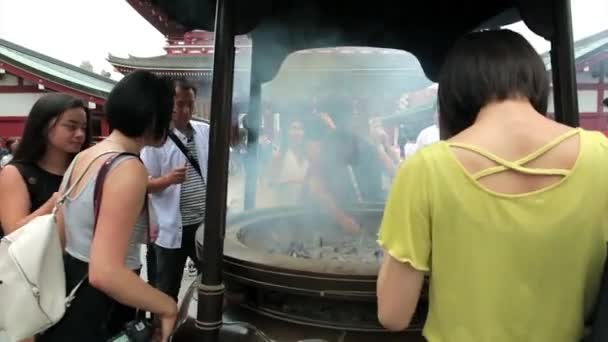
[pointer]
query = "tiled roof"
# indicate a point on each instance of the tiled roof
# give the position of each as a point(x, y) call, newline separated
point(584, 48)
point(343, 59)
point(52, 69)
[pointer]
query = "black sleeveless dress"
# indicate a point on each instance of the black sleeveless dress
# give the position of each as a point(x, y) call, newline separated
point(41, 184)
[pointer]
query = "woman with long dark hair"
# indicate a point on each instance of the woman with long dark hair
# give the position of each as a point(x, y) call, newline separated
point(57, 128)
point(507, 215)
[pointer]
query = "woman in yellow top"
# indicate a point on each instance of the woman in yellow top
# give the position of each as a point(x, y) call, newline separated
point(508, 215)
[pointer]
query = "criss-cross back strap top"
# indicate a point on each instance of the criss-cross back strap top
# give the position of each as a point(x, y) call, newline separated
point(519, 165)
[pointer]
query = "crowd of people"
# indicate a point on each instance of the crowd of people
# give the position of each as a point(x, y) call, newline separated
point(497, 212)
point(7, 150)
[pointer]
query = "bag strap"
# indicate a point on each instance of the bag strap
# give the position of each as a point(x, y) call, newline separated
point(97, 195)
point(186, 153)
point(101, 178)
point(73, 185)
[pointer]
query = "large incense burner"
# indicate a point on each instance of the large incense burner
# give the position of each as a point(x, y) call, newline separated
point(295, 265)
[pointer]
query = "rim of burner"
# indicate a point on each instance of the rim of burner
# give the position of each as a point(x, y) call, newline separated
point(237, 251)
point(302, 320)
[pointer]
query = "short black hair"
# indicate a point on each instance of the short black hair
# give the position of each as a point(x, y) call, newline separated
point(606, 102)
point(141, 104)
point(488, 66)
point(184, 84)
point(34, 140)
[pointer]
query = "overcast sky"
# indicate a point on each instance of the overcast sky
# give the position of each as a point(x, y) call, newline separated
point(77, 30)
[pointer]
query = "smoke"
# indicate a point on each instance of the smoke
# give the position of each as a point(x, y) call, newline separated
point(316, 115)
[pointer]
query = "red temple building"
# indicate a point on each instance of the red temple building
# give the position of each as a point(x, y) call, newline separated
point(591, 58)
point(310, 74)
point(26, 75)
point(379, 76)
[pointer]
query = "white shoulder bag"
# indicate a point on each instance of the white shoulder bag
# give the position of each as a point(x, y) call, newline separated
point(32, 275)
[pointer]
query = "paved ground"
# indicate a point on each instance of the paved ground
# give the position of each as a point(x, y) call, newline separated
point(186, 280)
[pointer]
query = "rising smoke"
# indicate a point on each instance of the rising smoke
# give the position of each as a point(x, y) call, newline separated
point(349, 86)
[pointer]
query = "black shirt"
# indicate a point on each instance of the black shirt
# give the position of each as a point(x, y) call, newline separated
point(41, 184)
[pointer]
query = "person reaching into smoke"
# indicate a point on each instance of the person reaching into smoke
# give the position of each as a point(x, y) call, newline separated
point(326, 187)
point(337, 180)
point(387, 153)
point(367, 160)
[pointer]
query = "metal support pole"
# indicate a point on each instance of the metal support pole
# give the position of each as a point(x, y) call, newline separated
point(254, 121)
point(565, 94)
point(211, 289)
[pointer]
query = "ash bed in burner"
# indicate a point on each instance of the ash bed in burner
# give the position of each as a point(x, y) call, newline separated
point(298, 240)
point(298, 266)
point(313, 237)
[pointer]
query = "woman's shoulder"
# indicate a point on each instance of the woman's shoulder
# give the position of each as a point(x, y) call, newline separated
point(595, 136)
point(12, 176)
point(19, 163)
point(22, 168)
point(424, 159)
point(129, 166)
point(594, 143)
point(435, 152)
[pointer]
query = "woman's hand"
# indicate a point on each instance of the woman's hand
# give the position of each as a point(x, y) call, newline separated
point(349, 225)
point(327, 120)
point(167, 323)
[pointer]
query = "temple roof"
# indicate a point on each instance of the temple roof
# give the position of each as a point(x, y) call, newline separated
point(54, 70)
point(168, 62)
point(585, 48)
point(336, 59)
point(351, 59)
point(427, 29)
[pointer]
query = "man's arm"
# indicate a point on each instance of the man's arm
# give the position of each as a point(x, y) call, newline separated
point(158, 182)
point(387, 163)
point(318, 190)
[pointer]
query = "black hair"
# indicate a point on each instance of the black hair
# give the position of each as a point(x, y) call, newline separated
point(184, 84)
point(10, 142)
point(488, 66)
point(33, 143)
point(315, 129)
point(141, 105)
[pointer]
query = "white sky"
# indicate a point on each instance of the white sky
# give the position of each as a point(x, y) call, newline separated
point(77, 30)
